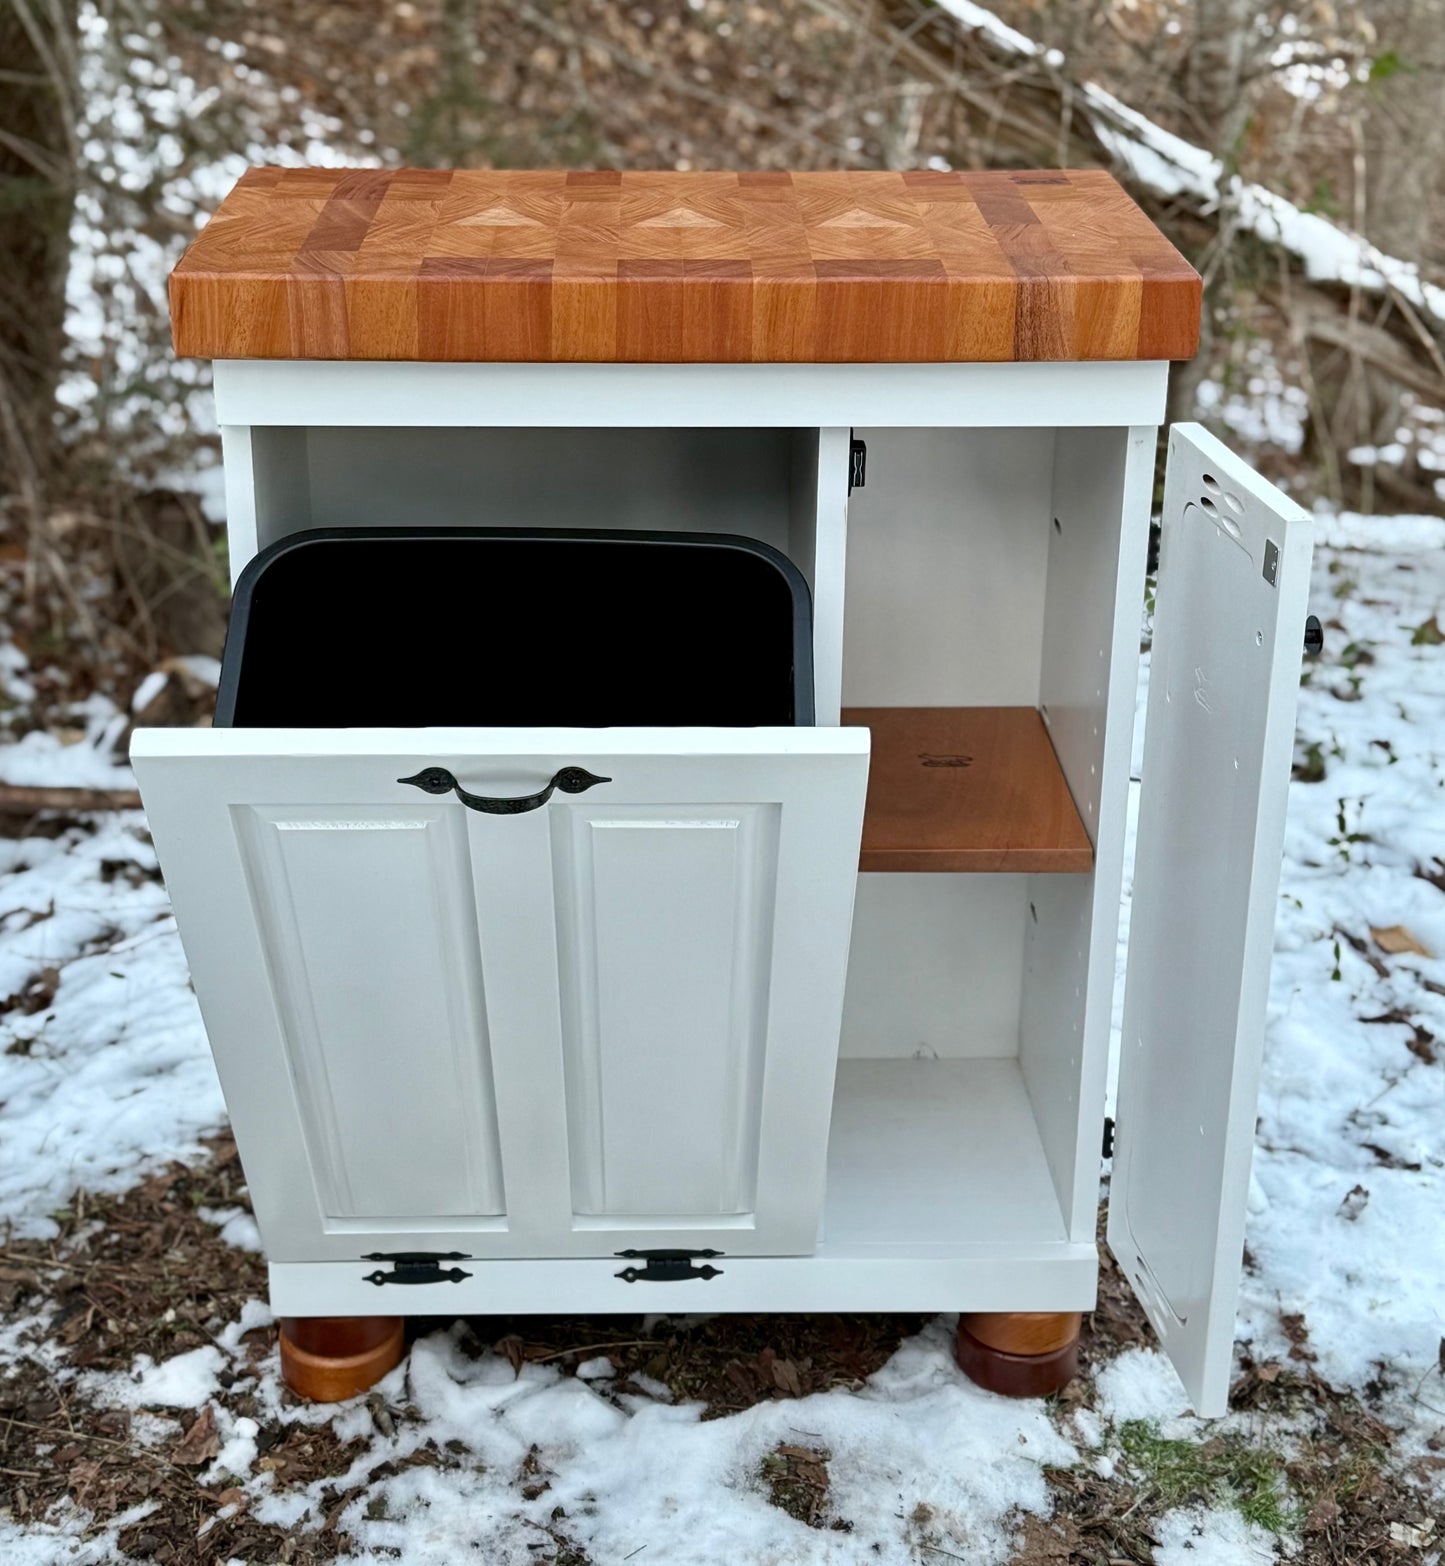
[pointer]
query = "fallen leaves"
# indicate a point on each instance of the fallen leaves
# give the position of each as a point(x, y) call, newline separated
point(200, 1443)
point(1396, 939)
point(797, 1481)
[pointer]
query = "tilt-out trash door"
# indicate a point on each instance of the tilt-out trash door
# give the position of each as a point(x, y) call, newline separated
point(518, 992)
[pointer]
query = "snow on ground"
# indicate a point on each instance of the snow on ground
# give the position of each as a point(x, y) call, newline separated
point(104, 1073)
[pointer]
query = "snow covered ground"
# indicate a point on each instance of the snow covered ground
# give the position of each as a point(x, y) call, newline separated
point(104, 1076)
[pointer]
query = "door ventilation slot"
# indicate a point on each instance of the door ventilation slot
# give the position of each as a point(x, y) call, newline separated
point(1154, 1299)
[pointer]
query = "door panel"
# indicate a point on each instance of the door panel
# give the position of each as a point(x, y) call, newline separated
point(366, 920)
point(1228, 637)
point(686, 897)
point(620, 1007)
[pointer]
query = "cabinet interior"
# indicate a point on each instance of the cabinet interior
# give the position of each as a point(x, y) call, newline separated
point(972, 631)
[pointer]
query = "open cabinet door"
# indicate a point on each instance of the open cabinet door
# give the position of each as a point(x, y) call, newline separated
point(1218, 740)
point(458, 1008)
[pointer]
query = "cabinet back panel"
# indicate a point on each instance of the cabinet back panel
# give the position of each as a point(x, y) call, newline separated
point(935, 966)
point(690, 480)
point(364, 915)
point(947, 559)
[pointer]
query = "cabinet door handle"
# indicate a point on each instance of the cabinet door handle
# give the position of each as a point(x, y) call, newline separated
point(437, 780)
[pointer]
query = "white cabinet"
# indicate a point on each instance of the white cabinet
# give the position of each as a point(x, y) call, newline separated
point(631, 1018)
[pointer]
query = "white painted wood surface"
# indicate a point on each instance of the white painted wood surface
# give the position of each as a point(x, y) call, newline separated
point(681, 396)
point(818, 546)
point(1218, 744)
point(1102, 490)
point(947, 560)
point(1059, 1276)
point(931, 1156)
point(936, 966)
point(650, 973)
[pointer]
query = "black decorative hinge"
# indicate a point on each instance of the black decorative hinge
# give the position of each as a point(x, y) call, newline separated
point(1108, 1149)
point(857, 463)
point(666, 1266)
point(416, 1267)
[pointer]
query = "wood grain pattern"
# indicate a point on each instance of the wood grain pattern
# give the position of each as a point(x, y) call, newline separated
point(967, 788)
point(664, 268)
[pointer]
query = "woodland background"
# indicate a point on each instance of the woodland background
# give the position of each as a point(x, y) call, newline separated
point(123, 122)
point(1297, 156)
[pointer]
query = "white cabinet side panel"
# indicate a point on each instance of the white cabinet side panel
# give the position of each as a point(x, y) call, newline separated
point(665, 933)
point(818, 545)
point(364, 916)
point(1103, 481)
point(238, 472)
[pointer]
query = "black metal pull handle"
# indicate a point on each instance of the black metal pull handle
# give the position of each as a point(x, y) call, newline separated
point(437, 780)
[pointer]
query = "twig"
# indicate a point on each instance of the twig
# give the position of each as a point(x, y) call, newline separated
point(79, 1435)
point(20, 799)
point(588, 1348)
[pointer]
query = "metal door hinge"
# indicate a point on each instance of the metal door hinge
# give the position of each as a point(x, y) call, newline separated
point(416, 1267)
point(857, 463)
point(1108, 1149)
point(666, 1266)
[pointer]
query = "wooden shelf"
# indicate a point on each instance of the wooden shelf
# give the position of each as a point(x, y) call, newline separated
point(967, 788)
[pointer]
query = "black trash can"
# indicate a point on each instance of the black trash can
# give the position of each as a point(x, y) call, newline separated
point(435, 627)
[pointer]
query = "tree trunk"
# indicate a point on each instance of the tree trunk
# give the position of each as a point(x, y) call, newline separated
point(1216, 71)
point(37, 199)
point(1405, 125)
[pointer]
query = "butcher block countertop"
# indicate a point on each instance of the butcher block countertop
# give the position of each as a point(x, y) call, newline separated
point(478, 265)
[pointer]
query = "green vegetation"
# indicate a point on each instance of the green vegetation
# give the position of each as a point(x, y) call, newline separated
point(1228, 1469)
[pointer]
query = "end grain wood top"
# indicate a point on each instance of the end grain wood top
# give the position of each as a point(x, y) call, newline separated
point(667, 268)
point(967, 788)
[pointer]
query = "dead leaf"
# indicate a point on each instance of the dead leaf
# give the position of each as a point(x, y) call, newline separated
point(1324, 1514)
point(1409, 1536)
point(232, 1497)
point(785, 1377)
point(1269, 1372)
point(1395, 938)
point(83, 1478)
point(803, 1454)
point(200, 1443)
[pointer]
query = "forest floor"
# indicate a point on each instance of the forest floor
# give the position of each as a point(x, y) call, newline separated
point(142, 1417)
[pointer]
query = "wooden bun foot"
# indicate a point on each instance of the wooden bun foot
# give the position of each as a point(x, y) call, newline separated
point(327, 1358)
point(1019, 1353)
